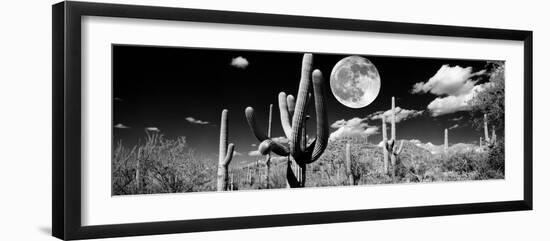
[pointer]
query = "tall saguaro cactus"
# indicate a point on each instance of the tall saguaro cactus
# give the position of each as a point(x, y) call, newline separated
point(225, 154)
point(390, 145)
point(385, 143)
point(138, 169)
point(393, 118)
point(446, 140)
point(268, 158)
point(293, 120)
point(352, 177)
point(485, 128)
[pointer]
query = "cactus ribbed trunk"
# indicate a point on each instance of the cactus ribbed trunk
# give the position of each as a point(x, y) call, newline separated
point(446, 140)
point(393, 136)
point(485, 128)
point(480, 142)
point(349, 170)
point(138, 176)
point(225, 154)
point(393, 118)
point(248, 175)
point(268, 158)
point(384, 144)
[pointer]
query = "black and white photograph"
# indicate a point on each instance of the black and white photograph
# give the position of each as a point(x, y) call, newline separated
point(205, 120)
point(281, 120)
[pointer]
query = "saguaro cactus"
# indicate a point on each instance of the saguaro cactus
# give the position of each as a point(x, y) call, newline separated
point(446, 140)
point(393, 118)
point(268, 157)
point(352, 176)
point(385, 143)
point(138, 168)
point(485, 128)
point(225, 154)
point(390, 145)
point(293, 117)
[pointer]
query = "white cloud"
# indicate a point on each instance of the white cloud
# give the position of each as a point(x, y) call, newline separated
point(454, 87)
point(121, 126)
point(195, 121)
point(152, 128)
point(449, 81)
point(254, 153)
point(400, 114)
point(254, 145)
point(451, 104)
point(352, 127)
point(236, 153)
point(239, 62)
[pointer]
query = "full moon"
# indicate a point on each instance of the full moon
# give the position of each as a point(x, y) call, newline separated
point(355, 82)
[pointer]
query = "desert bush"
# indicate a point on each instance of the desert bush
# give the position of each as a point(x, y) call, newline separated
point(123, 170)
point(165, 166)
point(496, 156)
point(473, 165)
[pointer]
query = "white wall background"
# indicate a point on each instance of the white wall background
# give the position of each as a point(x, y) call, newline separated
point(25, 116)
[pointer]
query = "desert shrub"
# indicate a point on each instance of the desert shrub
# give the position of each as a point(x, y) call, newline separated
point(473, 165)
point(496, 156)
point(459, 162)
point(123, 170)
point(165, 166)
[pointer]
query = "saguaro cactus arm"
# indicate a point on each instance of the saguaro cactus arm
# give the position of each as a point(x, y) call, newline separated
point(266, 144)
point(398, 151)
point(299, 116)
point(228, 155)
point(286, 110)
point(321, 116)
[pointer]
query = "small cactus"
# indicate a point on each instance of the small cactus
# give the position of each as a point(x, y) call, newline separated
point(293, 118)
point(225, 155)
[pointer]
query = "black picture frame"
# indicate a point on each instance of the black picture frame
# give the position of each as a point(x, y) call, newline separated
point(66, 165)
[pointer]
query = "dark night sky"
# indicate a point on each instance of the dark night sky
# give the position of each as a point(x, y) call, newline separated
point(161, 87)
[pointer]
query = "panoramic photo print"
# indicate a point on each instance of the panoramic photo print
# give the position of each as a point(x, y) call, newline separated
point(199, 120)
